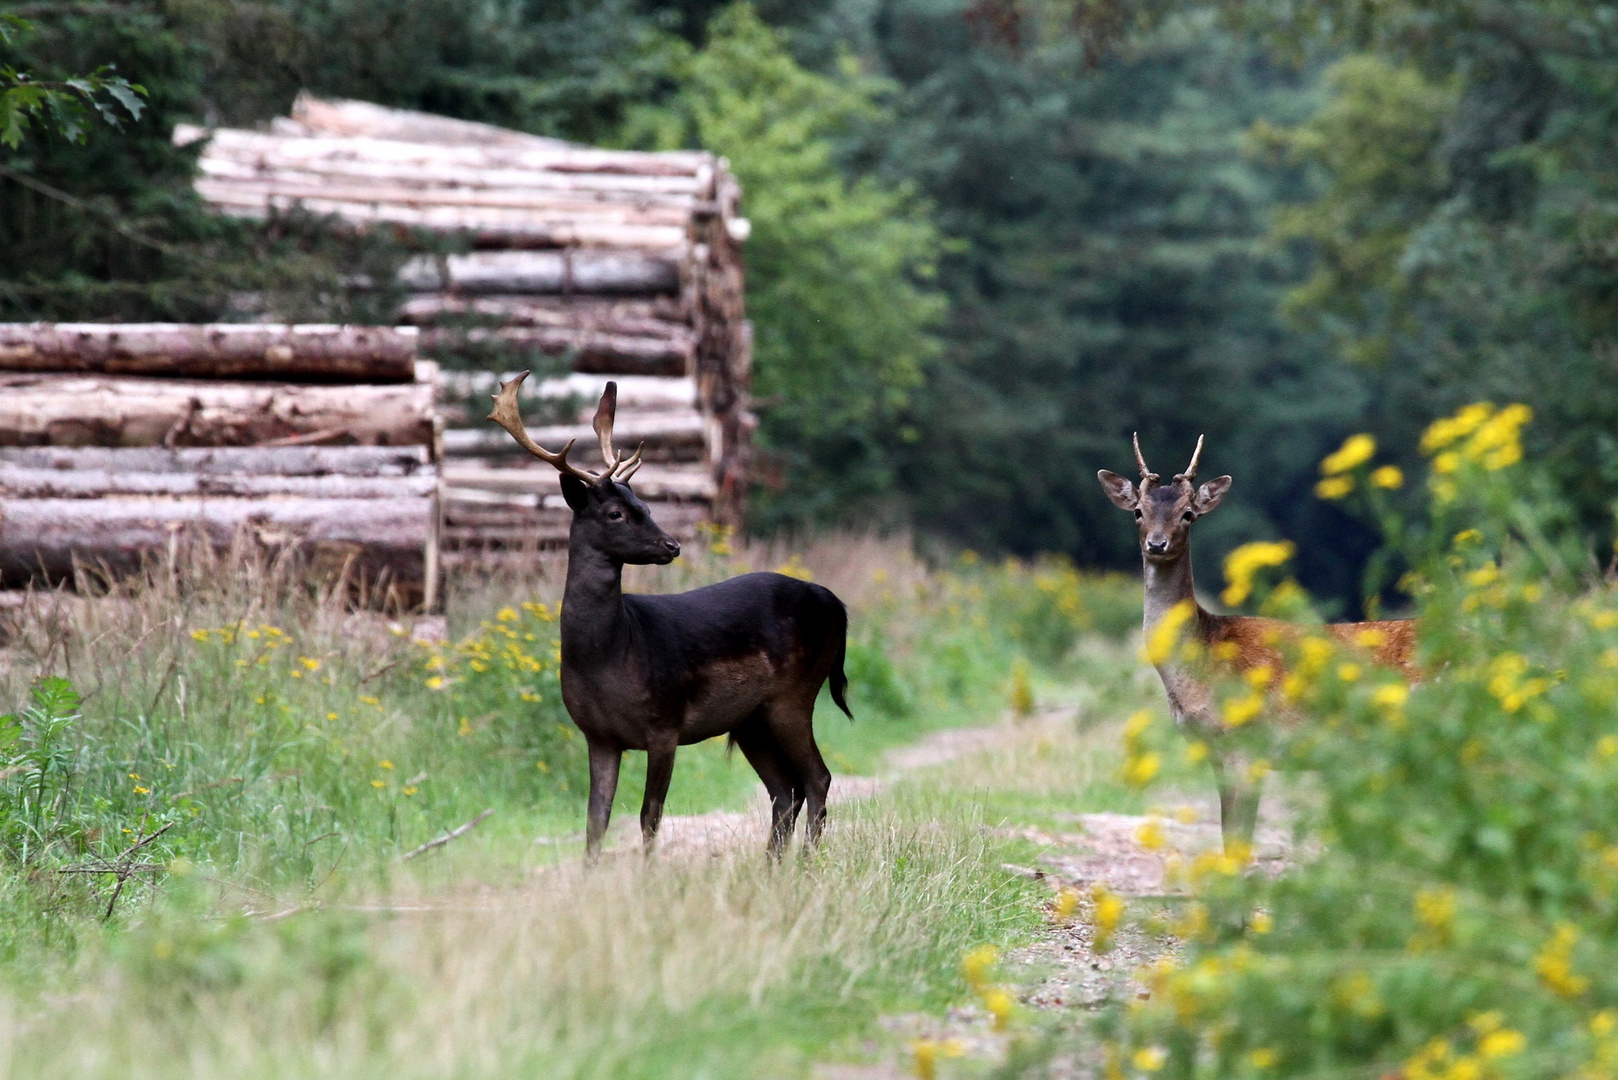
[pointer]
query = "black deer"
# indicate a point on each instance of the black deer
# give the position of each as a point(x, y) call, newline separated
point(745, 657)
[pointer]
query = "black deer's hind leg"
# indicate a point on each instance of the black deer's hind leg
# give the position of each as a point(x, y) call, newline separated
point(659, 771)
point(604, 763)
point(758, 747)
point(792, 724)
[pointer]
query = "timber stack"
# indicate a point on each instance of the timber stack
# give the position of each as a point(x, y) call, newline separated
point(120, 440)
point(586, 264)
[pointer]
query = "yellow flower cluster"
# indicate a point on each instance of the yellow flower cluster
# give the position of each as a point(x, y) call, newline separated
point(1554, 963)
point(979, 967)
point(1243, 564)
point(1140, 764)
point(1106, 915)
point(1478, 433)
point(1438, 1060)
point(513, 646)
point(1355, 451)
point(1508, 685)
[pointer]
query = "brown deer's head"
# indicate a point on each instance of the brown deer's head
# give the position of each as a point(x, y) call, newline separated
point(1164, 512)
point(607, 515)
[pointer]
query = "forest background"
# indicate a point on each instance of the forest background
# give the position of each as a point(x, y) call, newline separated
point(991, 238)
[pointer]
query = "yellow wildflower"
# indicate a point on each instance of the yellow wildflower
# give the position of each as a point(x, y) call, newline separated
point(1502, 1043)
point(379, 783)
point(309, 663)
point(1334, 487)
point(1106, 915)
point(1196, 752)
point(384, 764)
point(1238, 711)
point(1446, 430)
point(978, 964)
point(1150, 835)
point(1065, 904)
point(1150, 1058)
point(1388, 477)
point(1000, 1005)
point(1261, 922)
point(1161, 642)
point(506, 614)
point(1138, 771)
point(1554, 963)
point(1263, 1058)
point(1246, 561)
point(142, 790)
point(1355, 451)
point(1348, 672)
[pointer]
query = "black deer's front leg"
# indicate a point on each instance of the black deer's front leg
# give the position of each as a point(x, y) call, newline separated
point(659, 771)
point(604, 763)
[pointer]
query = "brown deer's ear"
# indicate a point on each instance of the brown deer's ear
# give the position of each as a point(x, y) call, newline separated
point(1211, 494)
point(1120, 491)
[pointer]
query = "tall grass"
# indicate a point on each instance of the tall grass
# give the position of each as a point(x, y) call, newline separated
point(292, 745)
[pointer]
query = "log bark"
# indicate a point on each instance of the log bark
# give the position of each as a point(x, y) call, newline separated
point(292, 461)
point(636, 393)
point(18, 483)
point(224, 181)
point(337, 116)
point(574, 161)
point(667, 437)
point(653, 481)
point(77, 410)
point(48, 538)
point(584, 271)
point(313, 353)
point(653, 317)
point(612, 354)
point(472, 530)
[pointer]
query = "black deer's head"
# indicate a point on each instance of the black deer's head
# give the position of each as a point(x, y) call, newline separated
point(1164, 513)
point(607, 515)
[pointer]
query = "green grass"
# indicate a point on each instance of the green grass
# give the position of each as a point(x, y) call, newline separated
point(295, 747)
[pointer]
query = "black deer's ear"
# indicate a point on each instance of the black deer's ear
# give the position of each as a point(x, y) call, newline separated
point(1211, 494)
point(1120, 491)
point(576, 492)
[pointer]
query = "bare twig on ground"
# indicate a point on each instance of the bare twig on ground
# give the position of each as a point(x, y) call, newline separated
point(447, 837)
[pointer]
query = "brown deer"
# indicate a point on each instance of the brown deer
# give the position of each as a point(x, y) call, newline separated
point(745, 658)
point(1164, 514)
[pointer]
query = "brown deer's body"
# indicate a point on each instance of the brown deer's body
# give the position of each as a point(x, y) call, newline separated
point(1165, 513)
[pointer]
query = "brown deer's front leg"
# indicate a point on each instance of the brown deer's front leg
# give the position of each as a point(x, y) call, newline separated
point(1238, 800)
point(659, 771)
point(604, 763)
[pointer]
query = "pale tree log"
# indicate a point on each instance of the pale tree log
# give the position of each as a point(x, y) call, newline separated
point(295, 461)
point(582, 271)
point(324, 353)
point(653, 481)
point(18, 483)
point(591, 352)
point(50, 537)
point(667, 436)
point(81, 410)
point(648, 317)
point(636, 393)
point(575, 161)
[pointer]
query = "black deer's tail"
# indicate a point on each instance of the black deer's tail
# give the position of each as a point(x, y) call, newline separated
point(839, 677)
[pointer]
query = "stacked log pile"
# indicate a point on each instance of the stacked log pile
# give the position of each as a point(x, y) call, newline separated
point(615, 263)
point(120, 440)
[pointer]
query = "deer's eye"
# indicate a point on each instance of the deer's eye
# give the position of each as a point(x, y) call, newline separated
point(615, 515)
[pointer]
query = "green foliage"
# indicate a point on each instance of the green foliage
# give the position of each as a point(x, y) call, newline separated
point(838, 268)
point(65, 106)
point(1456, 914)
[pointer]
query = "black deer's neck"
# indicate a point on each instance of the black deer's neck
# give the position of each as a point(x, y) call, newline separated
point(593, 620)
point(1167, 584)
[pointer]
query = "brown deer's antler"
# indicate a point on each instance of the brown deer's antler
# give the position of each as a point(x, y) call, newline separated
point(1147, 476)
point(505, 414)
point(1190, 473)
point(618, 468)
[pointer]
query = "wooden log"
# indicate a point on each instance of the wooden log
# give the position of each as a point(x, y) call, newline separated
point(22, 483)
point(488, 228)
point(654, 481)
point(338, 116)
point(292, 461)
point(225, 180)
point(636, 393)
point(314, 353)
point(591, 352)
point(584, 271)
point(650, 317)
point(47, 538)
point(579, 161)
point(676, 437)
point(85, 410)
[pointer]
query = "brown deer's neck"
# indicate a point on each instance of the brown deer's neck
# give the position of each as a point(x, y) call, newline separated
point(592, 604)
point(1167, 584)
